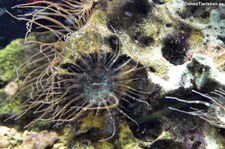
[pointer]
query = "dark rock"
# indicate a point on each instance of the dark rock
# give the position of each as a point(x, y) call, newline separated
point(165, 144)
point(159, 2)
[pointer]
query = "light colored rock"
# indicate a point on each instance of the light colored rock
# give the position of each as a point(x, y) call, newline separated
point(4, 130)
point(59, 146)
point(40, 140)
point(11, 88)
point(199, 71)
point(4, 142)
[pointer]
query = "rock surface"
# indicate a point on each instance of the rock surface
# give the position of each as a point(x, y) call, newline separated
point(180, 47)
point(11, 138)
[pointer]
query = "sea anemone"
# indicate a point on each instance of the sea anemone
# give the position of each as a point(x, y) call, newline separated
point(61, 92)
point(65, 83)
point(214, 114)
point(61, 18)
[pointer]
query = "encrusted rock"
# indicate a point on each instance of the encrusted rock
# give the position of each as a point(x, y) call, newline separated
point(40, 140)
point(197, 73)
point(4, 130)
point(170, 39)
point(8, 137)
point(4, 142)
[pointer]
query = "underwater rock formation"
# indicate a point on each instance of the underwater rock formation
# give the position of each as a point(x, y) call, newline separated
point(106, 70)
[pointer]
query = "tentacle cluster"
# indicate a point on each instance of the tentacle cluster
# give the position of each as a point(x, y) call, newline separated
point(214, 114)
point(63, 92)
point(61, 18)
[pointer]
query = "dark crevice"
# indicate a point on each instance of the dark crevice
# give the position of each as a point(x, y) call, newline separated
point(175, 48)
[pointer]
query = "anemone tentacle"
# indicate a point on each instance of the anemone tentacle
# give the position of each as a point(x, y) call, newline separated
point(215, 111)
point(60, 18)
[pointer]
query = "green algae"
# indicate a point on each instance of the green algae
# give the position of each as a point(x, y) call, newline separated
point(90, 40)
point(99, 17)
point(126, 139)
point(220, 61)
point(167, 135)
point(195, 39)
point(105, 145)
point(11, 57)
point(6, 106)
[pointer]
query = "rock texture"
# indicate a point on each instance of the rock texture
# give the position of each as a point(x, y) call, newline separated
point(181, 49)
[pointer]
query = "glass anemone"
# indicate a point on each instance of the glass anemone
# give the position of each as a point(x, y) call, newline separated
point(99, 81)
point(214, 114)
point(61, 18)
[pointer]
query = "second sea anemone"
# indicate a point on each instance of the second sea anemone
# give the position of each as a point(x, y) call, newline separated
point(215, 111)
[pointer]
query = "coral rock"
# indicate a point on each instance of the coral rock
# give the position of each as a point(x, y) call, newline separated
point(40, 141)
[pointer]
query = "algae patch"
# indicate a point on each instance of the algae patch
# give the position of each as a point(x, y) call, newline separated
point(12, 57)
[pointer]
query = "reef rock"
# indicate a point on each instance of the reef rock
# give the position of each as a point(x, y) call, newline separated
point(40, 140)
point(180, 48)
